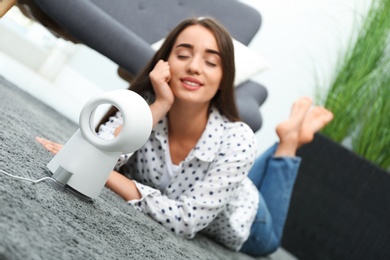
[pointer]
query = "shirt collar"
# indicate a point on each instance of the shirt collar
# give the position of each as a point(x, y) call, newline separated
point(207, 146)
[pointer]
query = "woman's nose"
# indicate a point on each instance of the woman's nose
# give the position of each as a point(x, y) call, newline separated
point(194, 65)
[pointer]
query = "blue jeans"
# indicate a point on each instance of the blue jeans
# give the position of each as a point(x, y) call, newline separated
point(274, 177)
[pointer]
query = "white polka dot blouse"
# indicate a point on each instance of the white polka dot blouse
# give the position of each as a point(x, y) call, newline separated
point(208, 192)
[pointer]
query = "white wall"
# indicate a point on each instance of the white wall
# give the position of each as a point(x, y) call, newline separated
point(301, 39)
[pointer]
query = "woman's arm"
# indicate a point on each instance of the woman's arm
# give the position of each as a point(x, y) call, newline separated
point(123, 186)
point(159, 77)
point(202, 189)
point(118, 183)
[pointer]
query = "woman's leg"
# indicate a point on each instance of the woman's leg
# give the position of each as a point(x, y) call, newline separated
point(258, 169)
point(274, 174)
point(275, 185)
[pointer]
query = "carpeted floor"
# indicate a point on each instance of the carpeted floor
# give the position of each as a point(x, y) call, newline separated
point(39, 221)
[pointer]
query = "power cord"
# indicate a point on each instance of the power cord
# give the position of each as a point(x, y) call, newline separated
point(62, 175)
point(27, 179)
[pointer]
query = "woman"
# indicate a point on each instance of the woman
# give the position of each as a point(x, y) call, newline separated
point(192, 173)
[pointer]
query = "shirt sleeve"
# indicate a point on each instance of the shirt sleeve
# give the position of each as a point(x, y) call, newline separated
point(199, 204)
point(106, 132)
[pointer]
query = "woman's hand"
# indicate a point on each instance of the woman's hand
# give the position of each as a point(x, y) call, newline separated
point(51, 146)
point(159, 77)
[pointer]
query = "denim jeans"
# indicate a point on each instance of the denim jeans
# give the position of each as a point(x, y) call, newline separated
point(274, 177)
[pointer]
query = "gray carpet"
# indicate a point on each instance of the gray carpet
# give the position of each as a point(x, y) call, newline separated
point(39, 221)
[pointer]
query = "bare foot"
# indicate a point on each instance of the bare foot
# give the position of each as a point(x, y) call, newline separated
point(315, 119)
point(289, 131)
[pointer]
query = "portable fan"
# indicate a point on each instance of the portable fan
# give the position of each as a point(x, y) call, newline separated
point(86, 160)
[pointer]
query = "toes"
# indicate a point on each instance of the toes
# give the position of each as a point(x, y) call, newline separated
point(301, 106)
point(322, 113)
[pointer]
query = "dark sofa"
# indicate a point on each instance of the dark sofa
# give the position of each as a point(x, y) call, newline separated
point(124, 30)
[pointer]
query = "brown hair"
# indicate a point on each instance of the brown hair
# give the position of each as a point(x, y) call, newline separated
point(224, 99)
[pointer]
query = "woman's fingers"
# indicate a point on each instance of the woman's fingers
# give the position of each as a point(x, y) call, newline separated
point(159, 77)
point(51, 146)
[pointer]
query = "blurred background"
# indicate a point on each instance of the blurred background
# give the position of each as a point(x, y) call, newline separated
point(301, 39)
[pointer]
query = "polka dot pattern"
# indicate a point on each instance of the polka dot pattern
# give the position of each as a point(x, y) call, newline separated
point(210, 192)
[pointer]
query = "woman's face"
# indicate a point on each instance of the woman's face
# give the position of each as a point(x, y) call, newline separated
point(195, 65)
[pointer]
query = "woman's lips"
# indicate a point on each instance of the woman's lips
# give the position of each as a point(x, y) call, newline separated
point(191, 84)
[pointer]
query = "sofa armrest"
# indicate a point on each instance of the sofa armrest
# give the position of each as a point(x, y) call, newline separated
point(104, 33)
point(250, 96)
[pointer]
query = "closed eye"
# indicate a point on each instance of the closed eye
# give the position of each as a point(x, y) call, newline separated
point(182, 57)
point(211, 64)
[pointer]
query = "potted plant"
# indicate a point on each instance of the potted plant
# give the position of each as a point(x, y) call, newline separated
point(359, 92)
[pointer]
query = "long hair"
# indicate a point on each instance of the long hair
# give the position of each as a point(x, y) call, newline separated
point(224, 99)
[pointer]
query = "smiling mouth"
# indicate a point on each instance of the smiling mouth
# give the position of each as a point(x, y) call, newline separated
point(191, 83)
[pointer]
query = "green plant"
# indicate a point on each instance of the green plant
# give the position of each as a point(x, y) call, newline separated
point(359, 93)
point(372, 139)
